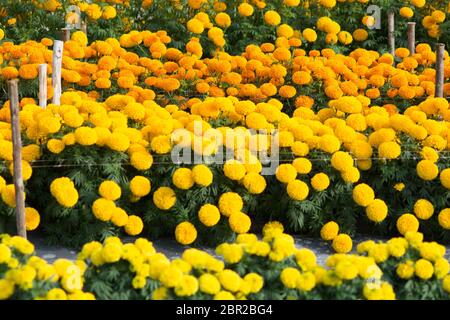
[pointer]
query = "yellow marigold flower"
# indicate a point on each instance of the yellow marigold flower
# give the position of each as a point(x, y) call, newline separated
point(346, 270)
point(306, 259)
point(342, 243)
point(300, 149)
point(103, 209)
point(85, 136)
point(286, 173)
point(347, 104)
point(9, 73)
point(406, 12)
point(444, 219)
point(202, 175)
point(6, 289)
point(389, 150)
point(209, 284)
point(135, 111)
point(185, 233)
point(272, 18)
point(329, 231)
point(2, 184)
point(223, 20)
point(289, 277)
point(119, 217)
point(405, 270)
point(239, 222)
point(229, 203)
point(309, 34)
point(360, 35)
point(399, 187)
point(254, 183)
point(407, 223)
point(164, 198)
point(195, 26)
point(423, 209)
point(342, 161)
point(56, 294)
point(445, 178)
point(140, 186)
point(55, 146)
point(427, 170)
point(306, 282)
point(297, 190)
point(272, 229)
point(183, 178)
point(110, 190)
point(32, 219)
point(351, 175)
point(161, 144)
point(9, 195)
point(446, 283)
point(232, 253)
point(255, 282)
point(69, 139)
point(423, 269)
point(377, 211)
point(111, 252)
point(209, 215)
point(428, 153)
point(118, 142)
point(363, 195)
point(109, 12)
point(171, 276)
point(28, 71)
point(438, 16)
point(27, 171)
point(141, 160)
point(441, 268)
point(302, 165)
point(245, 9)
point(134, 225)
point(234, 169)
point(64, 191)
point(320, 182)
point(345, 38)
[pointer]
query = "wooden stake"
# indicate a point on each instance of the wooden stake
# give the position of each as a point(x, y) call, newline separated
point(43, 85)
point(84, 26)
point(440, 55)
point(58, 47)
point(65, 34)
point(17, 157)
point(391, 32)
point(412, 37)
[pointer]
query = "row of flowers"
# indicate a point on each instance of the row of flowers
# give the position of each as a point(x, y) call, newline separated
point(250, 268)
point(232, 24)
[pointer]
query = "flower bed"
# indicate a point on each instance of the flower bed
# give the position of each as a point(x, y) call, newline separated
point(271, 268)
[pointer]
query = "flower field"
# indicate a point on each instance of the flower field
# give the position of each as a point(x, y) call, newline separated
point(213, 122)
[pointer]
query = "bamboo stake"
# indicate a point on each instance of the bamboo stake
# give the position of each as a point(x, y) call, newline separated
point(58, 47)
point(43, 85)
point(440, 54)
point(412, 37)
point(65, 34)
point(84, 26)
point(391, 32)
point(17, 157)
